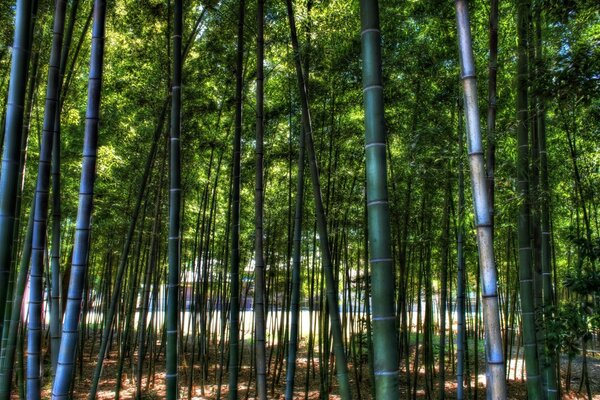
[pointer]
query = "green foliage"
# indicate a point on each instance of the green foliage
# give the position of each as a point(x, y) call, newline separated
point(583, 282)
point(568, 325)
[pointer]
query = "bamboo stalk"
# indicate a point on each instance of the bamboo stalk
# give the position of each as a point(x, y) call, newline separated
point(494, 354)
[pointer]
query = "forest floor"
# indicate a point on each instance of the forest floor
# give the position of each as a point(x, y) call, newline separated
point(155, 389)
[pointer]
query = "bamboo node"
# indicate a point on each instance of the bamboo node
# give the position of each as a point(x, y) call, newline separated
point(374, 144)
point(372, 87)
point(382, 259)
point(376, 202)
point(370, 30)
point(386, 373)
point(386, 318)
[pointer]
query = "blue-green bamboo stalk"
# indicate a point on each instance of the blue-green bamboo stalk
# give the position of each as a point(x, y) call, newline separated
point(70, 330)
point(11, 149)
point(23, 160)
point(55, 256)
point(496, 386)
point(39, 242)
point(32, 76)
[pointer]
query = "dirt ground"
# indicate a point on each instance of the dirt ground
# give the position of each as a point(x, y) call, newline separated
point(155, 388)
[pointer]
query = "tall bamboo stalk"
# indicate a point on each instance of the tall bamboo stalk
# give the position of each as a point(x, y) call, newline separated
point(29, 102)
point(491, 112)
point(32, 76)
point(332, 295)
point(11, 148)
point(445, 238)
point(234, 324)
point(296, 263)
point(461, 339)
point(550, 369)
point(259, 261)
point(385, 341)
point(525, 254)
point(34, 335)
point(150, 268)
point(70, 330)
point(174, 249)
point(491, 313)
point(7, 328)
point(7, 367)
point(56, 307)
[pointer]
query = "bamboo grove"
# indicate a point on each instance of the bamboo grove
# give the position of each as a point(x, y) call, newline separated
point(270, 199)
